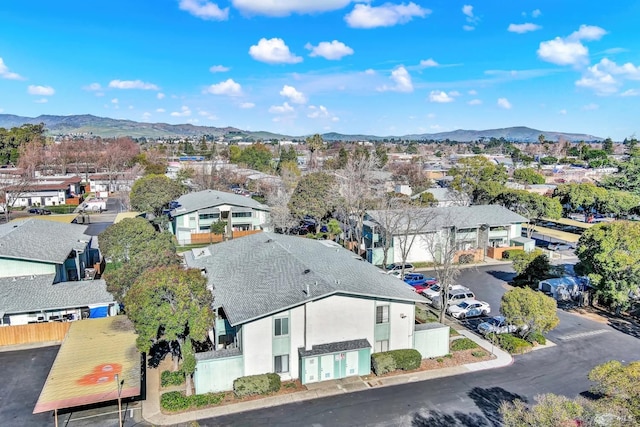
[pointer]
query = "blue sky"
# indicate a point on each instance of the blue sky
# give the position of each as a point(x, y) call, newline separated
point(304, 66)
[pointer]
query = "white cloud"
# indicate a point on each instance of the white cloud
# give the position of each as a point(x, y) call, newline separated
point(204, 9)
point(41, 101)
point(402, 79)
point(287, 7)
point(454, 93)
point(590, 107)
point(504, 103)
point(467, 9)
point(474, 102)
point(132, 84)
point(93, 87)
point(219, 69)
point(333, 50)
point(184, 112)
point(536, 13)
point(431, 116)
point(523, 28)
point(115, 101)
point(473, 92)
point(281, 109)
point(247, 105)
point(208, 115)
point(146, 115)
point(468, 28)
point(40, 90)
point(428, 63)
point(606, 77)
point(160, 95)
point(562, 112)
point(370, 72)
point(570, 50)
point(319, 112)
point(631, 92)
point(615, 50)
point(387, 15)
point(293, 95)
point(161, 110)
point(6, 74)
point(227, 87)
point(273, 51)
point(440, 97)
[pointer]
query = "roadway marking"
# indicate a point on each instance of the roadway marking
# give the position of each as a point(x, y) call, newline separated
point(583, 334)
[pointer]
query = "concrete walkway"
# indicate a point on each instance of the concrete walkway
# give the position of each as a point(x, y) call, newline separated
point(152, 414)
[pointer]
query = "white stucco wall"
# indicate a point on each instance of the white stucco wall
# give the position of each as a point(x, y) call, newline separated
point(256, 346)
point(296, 328)
point(402, 324)
point(340, 318)
point(14, 267)
point(418, 253)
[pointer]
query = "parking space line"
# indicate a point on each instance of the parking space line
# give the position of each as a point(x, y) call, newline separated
point(582, 335)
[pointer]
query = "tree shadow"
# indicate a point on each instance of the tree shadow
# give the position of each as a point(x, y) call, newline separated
point(440, 419)
point(506, 276)
point(489, 401)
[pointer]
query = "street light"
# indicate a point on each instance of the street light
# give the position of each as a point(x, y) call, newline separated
point(119, 384)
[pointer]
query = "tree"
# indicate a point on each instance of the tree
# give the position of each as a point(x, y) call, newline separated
point(607, 146)
point(426, 200)
point(174, 305)
point(531, 205)
point(476, 176)
point(122, 241)
point(528, 176)
point(529, 310)
point(609, 254)
point(314, 144)
point(532, 267)
point(619, 386)
point(314, 196)
point(550, 410)
point(220, 228)
point(116, 156)
point(279, 213)
point(152, 193)
point(256, 156)
point(584, 197)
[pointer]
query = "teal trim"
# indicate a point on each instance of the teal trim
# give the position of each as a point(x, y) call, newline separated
point(216, 375)
point(364, 361)
point(281, 345)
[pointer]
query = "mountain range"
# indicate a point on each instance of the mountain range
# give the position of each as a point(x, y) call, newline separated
point(87, 124)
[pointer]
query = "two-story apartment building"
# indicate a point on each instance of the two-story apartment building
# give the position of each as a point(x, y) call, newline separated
point(45, 191)
point(424, 233)
point(299, 307)
point(194, 213)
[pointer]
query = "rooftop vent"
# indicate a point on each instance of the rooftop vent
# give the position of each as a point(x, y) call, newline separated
point(307, 271)
point(269, 241)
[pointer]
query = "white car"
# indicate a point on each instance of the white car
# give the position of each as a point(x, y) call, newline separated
point(560, 247)
point(496, 325)
point(434, 291)
point(469, 308)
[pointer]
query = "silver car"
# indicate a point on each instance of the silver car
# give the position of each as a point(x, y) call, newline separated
point(496, 325)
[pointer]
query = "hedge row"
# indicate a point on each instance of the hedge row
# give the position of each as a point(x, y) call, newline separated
point(463, 344)
point(256, 384)
point(510, 253)
point(175, 401)
point(169, 378)
point(536, 337)
point(389, 361)
point(511, 343)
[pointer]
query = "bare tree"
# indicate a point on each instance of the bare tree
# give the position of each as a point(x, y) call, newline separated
point(12, 188)
point(280, 215)
point(31, 157)
point(116, 156)
point(414, 222)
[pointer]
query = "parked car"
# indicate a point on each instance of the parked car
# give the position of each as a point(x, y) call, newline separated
point(469, 308)
point(40, 211)
point(560, 246)
point(496, 325)
point(396, 266)
point(415, 279)
point(434, 291)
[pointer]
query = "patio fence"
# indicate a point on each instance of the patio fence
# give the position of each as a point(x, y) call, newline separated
point(33, 333)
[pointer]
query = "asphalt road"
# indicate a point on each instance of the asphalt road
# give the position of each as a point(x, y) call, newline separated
point(471, 399)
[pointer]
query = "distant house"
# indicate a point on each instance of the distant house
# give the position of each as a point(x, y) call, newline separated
point(304, 309)
point(446, 197)
point(42, 267)
point(194, 213)
point(474, 230)
point(51, 191)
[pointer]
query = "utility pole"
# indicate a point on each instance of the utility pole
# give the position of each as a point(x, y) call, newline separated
point(119, 384)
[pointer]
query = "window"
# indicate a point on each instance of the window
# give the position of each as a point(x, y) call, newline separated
point(209, 216)
point(281, 326)
point(281, 363)
point(241, 214)
point(381, 346)
point(382, 314)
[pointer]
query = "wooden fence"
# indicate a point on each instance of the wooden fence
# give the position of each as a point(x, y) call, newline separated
point(200, 238)
point(33, 333)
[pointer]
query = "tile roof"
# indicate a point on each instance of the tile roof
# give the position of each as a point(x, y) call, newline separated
point(34, 293)
point(266, 273)
point(433, 219)
point(210, 198)
point(44, 241)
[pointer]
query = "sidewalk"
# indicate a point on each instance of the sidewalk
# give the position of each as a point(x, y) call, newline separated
point(152, 414)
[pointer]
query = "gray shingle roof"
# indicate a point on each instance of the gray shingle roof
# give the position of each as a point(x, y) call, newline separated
point(34, 293)
point(334, 347)
point(265, 273)
point(210, 198)
point(458, 216)
point(38, 240)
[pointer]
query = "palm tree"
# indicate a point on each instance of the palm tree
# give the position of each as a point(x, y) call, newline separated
point(314, 143)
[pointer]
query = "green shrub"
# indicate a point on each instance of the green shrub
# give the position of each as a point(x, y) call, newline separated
point(382, 363)
point(510, 253)
point(168, 378)
point(511, 343)
point(478, 353)
point(463, 344)
point(439, 360)
point(175, 401)
point(256, 384)
point(466, 259)
point(453, 332)
point(407, 359)
point(536, 337)
point(449, 356)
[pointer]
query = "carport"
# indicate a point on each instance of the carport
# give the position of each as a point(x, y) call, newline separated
point(97, 362)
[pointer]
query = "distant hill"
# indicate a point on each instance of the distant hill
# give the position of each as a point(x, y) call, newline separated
point(107, 127)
